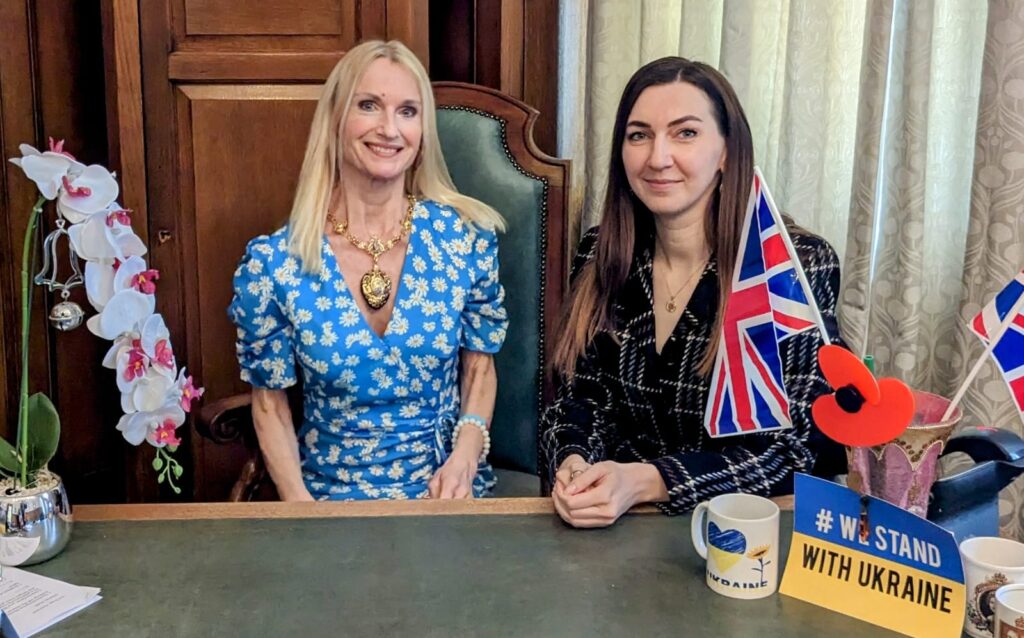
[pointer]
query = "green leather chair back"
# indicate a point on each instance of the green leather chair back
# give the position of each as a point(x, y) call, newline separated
point(476, 149)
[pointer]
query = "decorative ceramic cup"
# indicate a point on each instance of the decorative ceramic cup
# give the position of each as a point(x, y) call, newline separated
point(738, 535)
point(1009, 619)
point(903, 470)
point(989, 563)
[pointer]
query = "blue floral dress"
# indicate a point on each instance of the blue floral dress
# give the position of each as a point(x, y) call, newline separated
point(378, 411)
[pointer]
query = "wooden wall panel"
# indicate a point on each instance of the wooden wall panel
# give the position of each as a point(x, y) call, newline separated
point(73, 108)
point(513, 34)
point(409, 21)
point(235, 130)
point(17, 125)
point(246, 150)
point(52, 84)
point(282, 17)
point(298, 26)
point(186, 66)
point(509, 45)
point(126, 148)
point(540, 69)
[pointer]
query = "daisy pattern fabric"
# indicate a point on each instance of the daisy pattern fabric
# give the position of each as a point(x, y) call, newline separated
point(378, 411)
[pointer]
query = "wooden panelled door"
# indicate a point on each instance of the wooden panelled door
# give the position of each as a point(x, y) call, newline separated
point(228, 89)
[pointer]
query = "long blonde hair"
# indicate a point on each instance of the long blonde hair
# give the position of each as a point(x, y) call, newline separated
point(428, 178)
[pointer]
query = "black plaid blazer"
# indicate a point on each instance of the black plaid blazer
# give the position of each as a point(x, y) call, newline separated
point(628, 403)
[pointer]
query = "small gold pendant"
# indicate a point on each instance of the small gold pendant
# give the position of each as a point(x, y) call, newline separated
point(671, 306)
point(376, 288)
point(376, 247)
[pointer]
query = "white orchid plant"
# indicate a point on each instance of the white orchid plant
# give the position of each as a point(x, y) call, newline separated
point(155, 393)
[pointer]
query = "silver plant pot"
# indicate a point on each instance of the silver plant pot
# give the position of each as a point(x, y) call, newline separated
point(35, 524)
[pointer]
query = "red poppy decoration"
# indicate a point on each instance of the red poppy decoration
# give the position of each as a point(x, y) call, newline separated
point(862, 411)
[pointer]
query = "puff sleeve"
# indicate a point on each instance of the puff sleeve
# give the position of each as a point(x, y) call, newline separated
point(484, 320)
point(263, 342)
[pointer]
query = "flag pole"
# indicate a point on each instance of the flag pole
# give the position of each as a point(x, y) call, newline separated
point(993, 340)
point(812, 302)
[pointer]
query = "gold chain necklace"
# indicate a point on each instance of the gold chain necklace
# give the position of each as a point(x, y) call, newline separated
point(670, 305)
point(375, 284)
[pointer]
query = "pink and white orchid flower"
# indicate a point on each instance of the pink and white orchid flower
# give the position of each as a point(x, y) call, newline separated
point(102, 281)
point(58, 147)
point(148, 392)
point(126, 273)
point(49, 169)
point(96, 240)
point(140, 426)
point(140, 356)
point(86, 194)
point(123, 313)
point(127, 358)
point(154, 395)
point(135, 366)
point(189, 392)
point(165, 434)
point(99, 283)
point(125, 342)
point(156, 344)
point(152, 342)
point(122, 216)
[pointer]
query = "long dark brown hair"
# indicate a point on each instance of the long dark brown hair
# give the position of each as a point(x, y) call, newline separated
point(627, 225)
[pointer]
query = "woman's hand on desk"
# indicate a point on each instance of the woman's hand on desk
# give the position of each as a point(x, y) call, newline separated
point(455, 478)
point(597, 495)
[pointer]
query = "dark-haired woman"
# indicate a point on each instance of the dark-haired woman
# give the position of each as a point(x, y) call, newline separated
point(640, 336)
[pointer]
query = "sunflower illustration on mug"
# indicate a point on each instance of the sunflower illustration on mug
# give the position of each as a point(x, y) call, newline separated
point(759, 554)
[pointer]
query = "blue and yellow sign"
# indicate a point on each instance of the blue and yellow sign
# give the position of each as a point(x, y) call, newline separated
point(874, 561)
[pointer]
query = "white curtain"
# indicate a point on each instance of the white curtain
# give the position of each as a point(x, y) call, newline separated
point(795, 65)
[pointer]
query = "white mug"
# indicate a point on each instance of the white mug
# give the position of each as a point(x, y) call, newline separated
point(989, 563)
point(738, 535)
point(1009, 617)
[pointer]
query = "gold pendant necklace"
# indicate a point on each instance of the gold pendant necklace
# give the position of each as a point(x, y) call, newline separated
point(670, 305)
point(375, 283)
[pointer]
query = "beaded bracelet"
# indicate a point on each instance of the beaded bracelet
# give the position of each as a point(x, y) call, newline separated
point(479, 422)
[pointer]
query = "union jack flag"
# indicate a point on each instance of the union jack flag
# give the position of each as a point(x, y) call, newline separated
point(1009, 349)
point(766, 305)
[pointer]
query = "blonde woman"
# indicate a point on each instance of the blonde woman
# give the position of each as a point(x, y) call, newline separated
point(382, 293)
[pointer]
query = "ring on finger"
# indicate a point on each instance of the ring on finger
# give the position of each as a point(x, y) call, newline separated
point(574, 474)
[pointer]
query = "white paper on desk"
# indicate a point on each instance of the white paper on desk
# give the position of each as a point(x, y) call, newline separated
point(15, 550)
point(34, 602)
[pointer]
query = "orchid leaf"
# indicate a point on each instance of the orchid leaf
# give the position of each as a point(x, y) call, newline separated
point(43, 431)
point(9, 457)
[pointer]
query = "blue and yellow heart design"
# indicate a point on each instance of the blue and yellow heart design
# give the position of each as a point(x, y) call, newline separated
point(725, 547)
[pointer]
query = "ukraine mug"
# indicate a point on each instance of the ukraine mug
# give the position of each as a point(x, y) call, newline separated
point(738, 535)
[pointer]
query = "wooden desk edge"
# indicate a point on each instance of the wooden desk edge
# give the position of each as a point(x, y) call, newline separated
point(332, 509)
